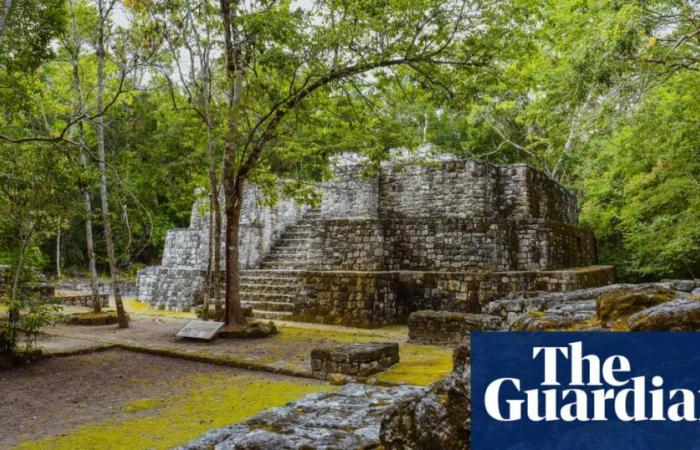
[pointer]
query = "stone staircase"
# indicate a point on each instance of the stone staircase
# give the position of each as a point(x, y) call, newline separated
point(272, 287)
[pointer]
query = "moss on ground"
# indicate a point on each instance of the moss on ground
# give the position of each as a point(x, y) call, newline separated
point(419, 364)
point(206, 402)
point(134, 306)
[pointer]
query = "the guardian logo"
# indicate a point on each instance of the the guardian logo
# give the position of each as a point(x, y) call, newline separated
point(591, 390)
point(585, 391)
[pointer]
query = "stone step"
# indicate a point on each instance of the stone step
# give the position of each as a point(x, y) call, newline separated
point(270, 306)
point(269, 280)
point(291, 241)
point(296, 235)
point(282, 265)
point(277, 253)
point(268, 288)
point(273, 273)
point(272, 315)
point(266, 297)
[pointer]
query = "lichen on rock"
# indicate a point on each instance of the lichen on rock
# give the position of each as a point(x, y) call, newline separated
point(620, 303)
point(676, 315)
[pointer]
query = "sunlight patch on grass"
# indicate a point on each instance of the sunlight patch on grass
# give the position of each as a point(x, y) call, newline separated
point(134, 306)
point(207, 401)
point(420, 365)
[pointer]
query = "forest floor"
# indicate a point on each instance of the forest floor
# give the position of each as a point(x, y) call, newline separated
point(143, 387)
point(288, 352)
point(122, 399)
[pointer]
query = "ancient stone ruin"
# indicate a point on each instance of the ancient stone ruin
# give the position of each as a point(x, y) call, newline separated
point(444, 235)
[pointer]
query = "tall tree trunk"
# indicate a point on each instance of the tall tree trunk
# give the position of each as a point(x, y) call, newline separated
point(85, 192)
point(104, 199)
point(232, 181)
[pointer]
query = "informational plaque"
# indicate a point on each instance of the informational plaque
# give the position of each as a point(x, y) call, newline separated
point(200, 329)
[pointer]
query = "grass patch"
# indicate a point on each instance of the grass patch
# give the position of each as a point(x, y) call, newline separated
point(134, 306)
point(207, 401)
point(420, 365)
point(146, 404)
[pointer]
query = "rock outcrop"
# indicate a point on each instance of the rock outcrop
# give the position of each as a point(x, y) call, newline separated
point(345, 419)
point(664, 306)
point(436, 419)
point(622, 302)
point(677, 315)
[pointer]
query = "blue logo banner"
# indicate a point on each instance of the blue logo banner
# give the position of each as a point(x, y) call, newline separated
point(580, 391)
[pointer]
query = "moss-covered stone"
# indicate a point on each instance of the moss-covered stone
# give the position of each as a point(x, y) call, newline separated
point(676, 315)
point(623, 302)
point(92, 318)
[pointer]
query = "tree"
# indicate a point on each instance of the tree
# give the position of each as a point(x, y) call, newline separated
point(30, 207)
point(75, 46)
point(192, 29)
point(104, 9)
point(277, 58)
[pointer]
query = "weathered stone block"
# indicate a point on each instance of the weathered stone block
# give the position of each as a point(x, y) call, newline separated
point(443, 327)
point(357, 359)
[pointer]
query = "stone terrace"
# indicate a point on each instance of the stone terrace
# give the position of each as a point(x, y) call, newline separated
point(449, 235)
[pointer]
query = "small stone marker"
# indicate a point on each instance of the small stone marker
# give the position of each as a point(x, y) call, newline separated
point(355, 359)
point(200, 329)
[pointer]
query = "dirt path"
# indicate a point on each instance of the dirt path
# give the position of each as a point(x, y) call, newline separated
point(56, 395)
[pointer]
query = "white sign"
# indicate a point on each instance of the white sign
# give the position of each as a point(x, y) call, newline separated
point(200, 329)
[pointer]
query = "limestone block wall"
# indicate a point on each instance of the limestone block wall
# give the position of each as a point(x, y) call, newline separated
point(352, 244)
point(371, 299)
point(351, 194)
point(545, 244)
point(446, 244)
point(528, 193)
point(361, 299)
point(177, 284)
point(460, 188)
point(454, 215)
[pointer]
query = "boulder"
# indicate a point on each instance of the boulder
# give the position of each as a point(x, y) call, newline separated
point(439, 418)
point(676, 315)
point(620, 303)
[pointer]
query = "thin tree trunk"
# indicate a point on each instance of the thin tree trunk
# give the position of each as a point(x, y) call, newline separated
point(94, 289)
point(18, 268)
point(104, 199)
point(214, 226)
point(6, 5)
point(87, 202)
point(58, 251)
point(13, 313)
